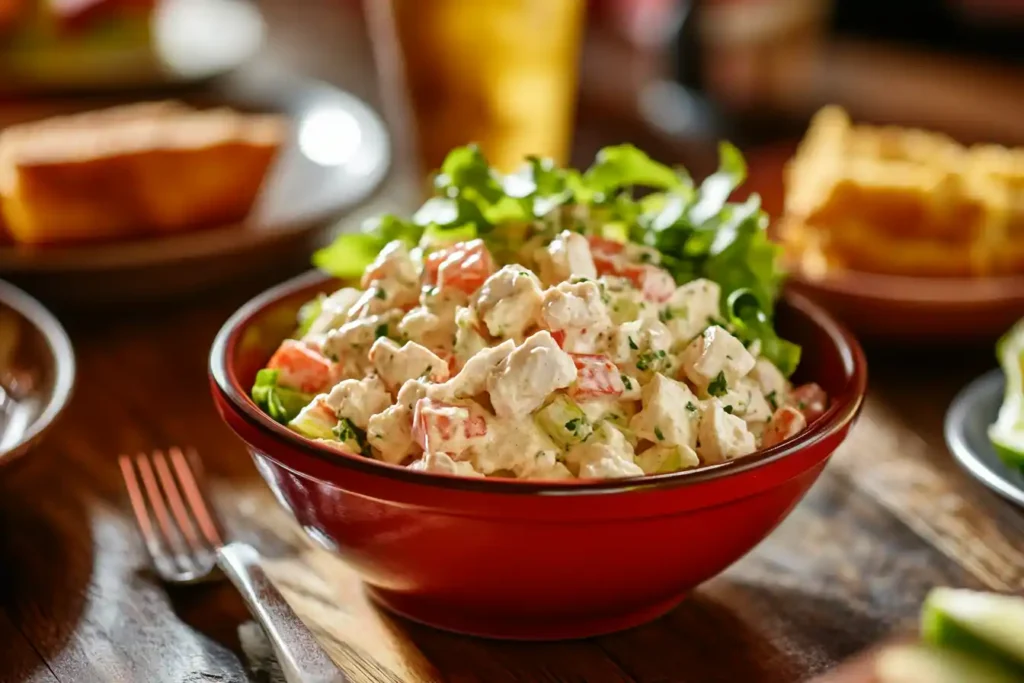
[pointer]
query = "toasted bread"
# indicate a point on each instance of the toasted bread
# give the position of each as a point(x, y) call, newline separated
point(134, 170)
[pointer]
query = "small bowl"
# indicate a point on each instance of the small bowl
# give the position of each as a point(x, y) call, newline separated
point(918, 309)
point(34, 345)
point(530, 560)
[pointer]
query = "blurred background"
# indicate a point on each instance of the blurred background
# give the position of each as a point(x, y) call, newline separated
point(554, 77)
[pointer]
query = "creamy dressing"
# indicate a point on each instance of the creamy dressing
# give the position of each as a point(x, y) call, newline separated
point(557, 369)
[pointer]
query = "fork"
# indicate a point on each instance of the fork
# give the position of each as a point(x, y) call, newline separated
point(186, 545)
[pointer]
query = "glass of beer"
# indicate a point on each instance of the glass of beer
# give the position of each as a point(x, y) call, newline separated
point(500, 73)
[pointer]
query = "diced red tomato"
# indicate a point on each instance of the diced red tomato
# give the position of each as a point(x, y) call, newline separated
point(810, 399)
point(463, 266)
point(559, 337)
point(443, 427)
point(786, 423)
point(596, 377)
point(656, 284)
point(302, 368)
point(606, 254)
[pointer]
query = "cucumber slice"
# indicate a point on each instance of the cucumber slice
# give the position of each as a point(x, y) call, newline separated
point(1007, 434)
point(564, 421)
point(921, 664)
point(987, 625)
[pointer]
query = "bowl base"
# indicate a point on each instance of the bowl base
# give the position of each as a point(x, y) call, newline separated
point(440, 616)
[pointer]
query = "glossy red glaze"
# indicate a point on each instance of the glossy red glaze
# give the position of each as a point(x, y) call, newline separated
point(521, 559)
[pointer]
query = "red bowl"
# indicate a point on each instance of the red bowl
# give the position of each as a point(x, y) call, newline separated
point(519, 559)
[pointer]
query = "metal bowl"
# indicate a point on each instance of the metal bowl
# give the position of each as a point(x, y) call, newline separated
point(37, 371)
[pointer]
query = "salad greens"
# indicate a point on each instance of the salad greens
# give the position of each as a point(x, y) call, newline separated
point(697, 231)
point(281, 403)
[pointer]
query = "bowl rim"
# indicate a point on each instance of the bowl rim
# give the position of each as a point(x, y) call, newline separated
point(63, 360)
point(840, 413)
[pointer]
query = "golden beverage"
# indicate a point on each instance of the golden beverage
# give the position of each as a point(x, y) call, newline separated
point(501, 73)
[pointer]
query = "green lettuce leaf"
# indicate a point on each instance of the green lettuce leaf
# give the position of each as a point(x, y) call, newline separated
point(281, 403)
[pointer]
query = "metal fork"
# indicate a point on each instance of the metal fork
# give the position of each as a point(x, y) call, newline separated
point(186, 545)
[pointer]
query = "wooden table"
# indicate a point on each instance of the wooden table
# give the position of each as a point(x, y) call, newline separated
point(891, 517)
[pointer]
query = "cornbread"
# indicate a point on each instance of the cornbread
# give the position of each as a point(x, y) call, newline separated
point(141, 169)
point(902, 201)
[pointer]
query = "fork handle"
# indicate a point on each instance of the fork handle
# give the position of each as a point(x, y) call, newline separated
point(302, 658)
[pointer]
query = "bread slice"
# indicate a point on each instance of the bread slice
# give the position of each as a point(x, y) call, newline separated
point(904, 201)
point(129, 171)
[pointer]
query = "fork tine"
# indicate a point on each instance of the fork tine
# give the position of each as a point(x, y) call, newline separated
point(178, 507)
point(163, 518)
point(194, 493)
point(150, 536)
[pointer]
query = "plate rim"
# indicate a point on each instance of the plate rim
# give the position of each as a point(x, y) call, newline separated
point(966, 456)
point(219, 240)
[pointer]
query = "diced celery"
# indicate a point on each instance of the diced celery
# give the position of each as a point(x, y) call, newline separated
point(661, 459)
point(564, 421)
point(315, 422)
point(352, 437)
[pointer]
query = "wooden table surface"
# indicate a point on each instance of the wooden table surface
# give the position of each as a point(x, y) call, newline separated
point(891, 517)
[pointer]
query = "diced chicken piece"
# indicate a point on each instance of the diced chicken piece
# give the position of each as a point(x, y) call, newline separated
point(772, 382)
point(452, 428)
point(359, 399)
point(786, 423)
point(472, 379)
point(669, 415)
point(659, 459)
point(394, 262)
point(396, 365)
point(715, 361)
point(441, 463)
point(390, 433)
point(691, 308)
point(597, 377)
point(543, 465)
point(642, 348)
point(514, 448)
point(723, 436)
point(333, 312)
point(350, 343)
point(300, 367)
point(809, 399)
point(567, 255)
point(631, 389)
point(432, 323)
point(746, 400)
point(529, 374)
point(600, 461)
point(469, 340)
point(411, 392)
point(508, 302)
point(384, 295)
point(578, 311)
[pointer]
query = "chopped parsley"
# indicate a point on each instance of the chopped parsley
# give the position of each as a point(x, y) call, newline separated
point(691, 407)
point(665, 314)
point(801, 405)
point(380, 293)
point(381, 331)
point(772, 400)
point(718, 385)
point(426, 373)
point(728, 409)
point(657, 433)
point(574, 425)
point(626, 382)
point(632, 344)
